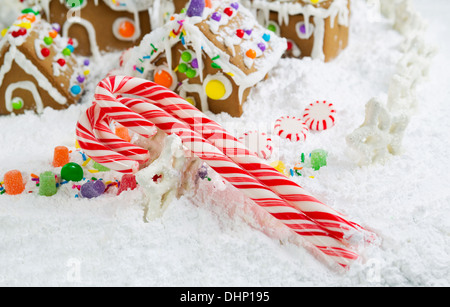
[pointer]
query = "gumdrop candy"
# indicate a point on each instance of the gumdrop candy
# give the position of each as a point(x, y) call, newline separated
point(92, 189)
point(47, 184)
point(13, 182)
point(279, 166)
point(196, 8)
point(61, 156)
point(128, 182)
point(100, 168)
point(72, 172)
point(123, 133)
point(318, 159)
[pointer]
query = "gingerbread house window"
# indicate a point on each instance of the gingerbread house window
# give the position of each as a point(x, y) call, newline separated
point(304, 30)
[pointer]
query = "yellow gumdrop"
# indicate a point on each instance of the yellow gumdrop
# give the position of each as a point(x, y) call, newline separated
point(279, 166)
point(215, 89)
point(4, 31)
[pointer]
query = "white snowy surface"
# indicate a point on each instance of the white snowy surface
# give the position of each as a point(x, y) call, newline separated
point(212, 239)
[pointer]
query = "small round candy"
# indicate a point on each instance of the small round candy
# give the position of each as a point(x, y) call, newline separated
point(258, 143)
point(291, 128)
point(319, 115)
point(75, 90)
point(72, 172)
point(17, 103)
point(45, 52)
point(126, 29)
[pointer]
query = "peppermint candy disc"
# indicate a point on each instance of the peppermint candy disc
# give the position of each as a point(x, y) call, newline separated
point(319, 115)
point(291, 128)
point(258, 143)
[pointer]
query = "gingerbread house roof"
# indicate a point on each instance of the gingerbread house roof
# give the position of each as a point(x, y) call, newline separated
point(47, 57)
point(226, 32)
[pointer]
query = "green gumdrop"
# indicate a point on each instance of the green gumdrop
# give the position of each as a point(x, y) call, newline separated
point(318, 159)
point(72, 172)
point(47, 184)
point(100, 167)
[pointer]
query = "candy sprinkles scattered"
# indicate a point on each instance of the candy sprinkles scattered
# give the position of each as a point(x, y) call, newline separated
point(66, 172)
point(316, 160)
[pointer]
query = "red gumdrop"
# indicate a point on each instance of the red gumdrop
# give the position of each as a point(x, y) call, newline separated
point(128, 182)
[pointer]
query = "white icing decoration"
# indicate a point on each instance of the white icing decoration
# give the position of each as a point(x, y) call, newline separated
point(224, 80)
point(25, 85)
point(309, 29)
point(172, 74)
point(135, 22)
point(90, 30)
point(382, 132)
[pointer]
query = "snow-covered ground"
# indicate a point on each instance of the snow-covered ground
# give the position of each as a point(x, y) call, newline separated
point(212, 239)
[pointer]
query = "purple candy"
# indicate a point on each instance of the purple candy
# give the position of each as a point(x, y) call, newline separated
point(303, 28)
point(81, 79)
point(87, 62)
point(92, 189)
point(196, 8)
point(203, 172)
point(262, 46)
point(235, 5)
point(249, 32)
point(216, 16)
point(194, 63)
point(56, 27)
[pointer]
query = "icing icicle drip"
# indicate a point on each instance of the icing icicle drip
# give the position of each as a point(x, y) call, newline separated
point(317, 10)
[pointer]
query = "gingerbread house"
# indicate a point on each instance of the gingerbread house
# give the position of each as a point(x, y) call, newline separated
point(212, 55)
point(101, 25)
point(313, 28)
point(38, 67)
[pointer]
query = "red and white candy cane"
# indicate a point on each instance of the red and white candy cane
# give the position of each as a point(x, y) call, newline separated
point(239, 177)
point(328, 218)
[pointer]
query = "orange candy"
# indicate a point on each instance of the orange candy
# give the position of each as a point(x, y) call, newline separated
point(208, 4)
point(163, 78)
point(61, 156)
point(30, 17)
point(126, 29)
point(122, 132)
point(251, 53)
point(53, 34)
point(13, 183)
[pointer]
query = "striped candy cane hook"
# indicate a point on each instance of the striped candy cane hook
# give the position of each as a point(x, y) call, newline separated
point(209, 141)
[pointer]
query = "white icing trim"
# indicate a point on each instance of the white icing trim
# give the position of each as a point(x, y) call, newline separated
point(116, 26)
point(90, 30)
point(337, 9)
point(219, 77)
point(25, 85)
point(32, 70)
